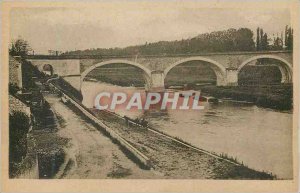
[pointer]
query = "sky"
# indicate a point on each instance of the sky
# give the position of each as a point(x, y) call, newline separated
point(67, 29)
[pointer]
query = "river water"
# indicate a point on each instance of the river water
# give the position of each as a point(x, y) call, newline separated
point(260, 138)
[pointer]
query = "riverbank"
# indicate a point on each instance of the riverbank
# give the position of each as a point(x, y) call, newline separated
point(175, 160)
point(89, 154)
point(279, 97)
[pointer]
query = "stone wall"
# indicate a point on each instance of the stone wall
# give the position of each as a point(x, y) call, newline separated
point(17, 105)
point(15, 72)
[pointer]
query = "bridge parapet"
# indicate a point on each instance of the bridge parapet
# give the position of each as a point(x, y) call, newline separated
point(156, 67)
point(104, 57)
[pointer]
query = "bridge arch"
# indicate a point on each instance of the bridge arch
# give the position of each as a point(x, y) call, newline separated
point(285, 67)
point(218, 68)
point(147, 74)
point(48, 69)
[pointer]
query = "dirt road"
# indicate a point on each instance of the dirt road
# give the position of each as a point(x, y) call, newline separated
point(89, 154)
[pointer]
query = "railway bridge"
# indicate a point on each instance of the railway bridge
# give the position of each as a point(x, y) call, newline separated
point(226, 66)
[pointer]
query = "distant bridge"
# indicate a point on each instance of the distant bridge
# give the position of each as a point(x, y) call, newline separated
point(155, 67)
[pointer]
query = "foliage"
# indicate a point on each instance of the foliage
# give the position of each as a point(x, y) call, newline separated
point(262, 41)
point(289, 38)
point(29, 72)
point(257, 39)
point(277, 97)
point(13, 88)
point(19, 47)
point(244, 40)
point(278, 43)
point(19, 124)
point(260, 75)
point(219, 41)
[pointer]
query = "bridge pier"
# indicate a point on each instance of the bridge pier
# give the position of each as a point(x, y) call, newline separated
point(157, 81)
point(286, 75)
point(231, 76)
point(221, 79)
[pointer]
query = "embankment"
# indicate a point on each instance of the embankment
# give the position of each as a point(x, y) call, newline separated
point(176, 159)
point(165, 155)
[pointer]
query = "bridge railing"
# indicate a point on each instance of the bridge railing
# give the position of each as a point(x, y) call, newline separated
point(53, 57)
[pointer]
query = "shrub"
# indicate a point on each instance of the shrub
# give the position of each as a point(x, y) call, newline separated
point(13, 89)
point(19, 124)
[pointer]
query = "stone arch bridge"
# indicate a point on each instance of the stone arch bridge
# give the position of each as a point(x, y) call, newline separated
point(225, 65)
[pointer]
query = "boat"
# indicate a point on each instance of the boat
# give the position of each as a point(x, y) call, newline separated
point(188, 92)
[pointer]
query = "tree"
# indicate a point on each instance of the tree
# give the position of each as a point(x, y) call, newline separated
point(286, 35)
point(261, 38)
point(264, 42)
point(19, 47)
point(261, 43)
point(289, 38)
point(218, 41)
point(277, 43)
point(244, 40)
point(257, 40)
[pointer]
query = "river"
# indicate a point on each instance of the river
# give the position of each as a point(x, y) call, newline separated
point(260, 138)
